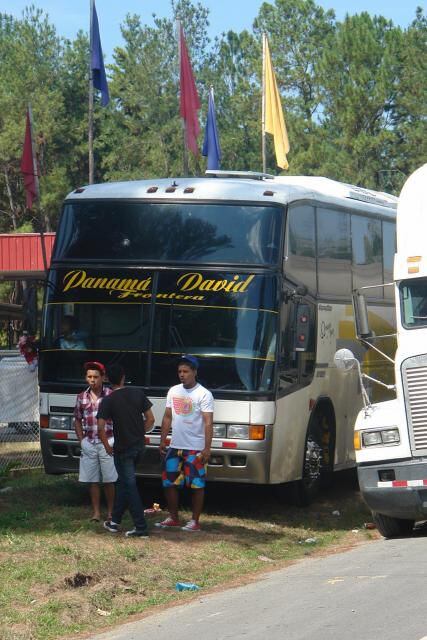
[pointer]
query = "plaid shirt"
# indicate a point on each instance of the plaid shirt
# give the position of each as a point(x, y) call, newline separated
point(86, 411)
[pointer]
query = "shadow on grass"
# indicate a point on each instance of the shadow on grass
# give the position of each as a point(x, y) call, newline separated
point(38, 503)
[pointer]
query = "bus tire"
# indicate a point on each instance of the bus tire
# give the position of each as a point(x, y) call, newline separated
point(318, 456)
point(306, 489)
point(390, 527)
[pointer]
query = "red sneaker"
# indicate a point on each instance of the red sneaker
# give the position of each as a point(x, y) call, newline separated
point(191, 525)
point(169, 523)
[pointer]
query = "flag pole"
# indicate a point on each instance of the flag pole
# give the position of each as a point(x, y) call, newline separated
point(184, 125)
point(264, 159)
point(37, 185)
point(33, 153)
point(90, 134)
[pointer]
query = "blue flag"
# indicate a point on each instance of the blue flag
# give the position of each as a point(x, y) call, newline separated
point(99, 78)
point(211, 147)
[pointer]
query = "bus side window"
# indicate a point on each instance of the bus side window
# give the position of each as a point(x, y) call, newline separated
point(334, 252)
point(367, 254)
point(389, 249)
point(300, 262)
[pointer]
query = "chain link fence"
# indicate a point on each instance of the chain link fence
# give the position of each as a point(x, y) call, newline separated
point(19, 413)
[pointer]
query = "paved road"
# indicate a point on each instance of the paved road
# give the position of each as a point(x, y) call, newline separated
point(374, 592)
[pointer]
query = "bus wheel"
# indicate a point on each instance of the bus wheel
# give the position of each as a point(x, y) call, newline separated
point(306, 489)
point(392, 527)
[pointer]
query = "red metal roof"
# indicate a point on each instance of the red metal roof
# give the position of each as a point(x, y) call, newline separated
point(21, 254)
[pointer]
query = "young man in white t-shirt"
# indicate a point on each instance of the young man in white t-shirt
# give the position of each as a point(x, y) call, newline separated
point(189, 409)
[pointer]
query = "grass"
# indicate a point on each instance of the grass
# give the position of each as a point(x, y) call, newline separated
point(62, 575)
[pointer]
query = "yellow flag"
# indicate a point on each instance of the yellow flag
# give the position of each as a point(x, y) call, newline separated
point(274, 119)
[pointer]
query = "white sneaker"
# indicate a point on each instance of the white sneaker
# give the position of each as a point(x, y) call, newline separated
point(192, 525)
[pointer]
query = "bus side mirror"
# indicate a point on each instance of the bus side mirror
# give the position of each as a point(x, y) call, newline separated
point(345, 360)
point(360, 309)
point(294, 294)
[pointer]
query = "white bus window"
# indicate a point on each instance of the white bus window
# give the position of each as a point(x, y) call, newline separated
point(301, 246)
point(334, 252)
point(366, 244)
point(389, 249)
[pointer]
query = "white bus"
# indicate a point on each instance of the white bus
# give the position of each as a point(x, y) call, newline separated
point(251, 273)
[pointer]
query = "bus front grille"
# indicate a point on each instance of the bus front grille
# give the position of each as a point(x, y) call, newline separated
point(416, 392)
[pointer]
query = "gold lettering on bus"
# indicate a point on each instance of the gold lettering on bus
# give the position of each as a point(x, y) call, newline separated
point(73, 279)
point(195, 281)
point(78, 278)
point(135, 288)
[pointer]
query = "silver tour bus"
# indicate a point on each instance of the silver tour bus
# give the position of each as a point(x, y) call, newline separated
point(251, 273)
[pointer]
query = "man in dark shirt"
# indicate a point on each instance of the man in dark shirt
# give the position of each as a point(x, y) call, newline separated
point(130, 411)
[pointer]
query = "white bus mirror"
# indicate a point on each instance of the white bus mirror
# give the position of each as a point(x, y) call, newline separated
point(360, 309)
point(345, 360)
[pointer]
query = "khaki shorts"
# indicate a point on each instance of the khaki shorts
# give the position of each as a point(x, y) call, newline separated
point(95, 463)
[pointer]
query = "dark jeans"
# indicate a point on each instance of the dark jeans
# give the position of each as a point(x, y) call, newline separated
point(127, 495)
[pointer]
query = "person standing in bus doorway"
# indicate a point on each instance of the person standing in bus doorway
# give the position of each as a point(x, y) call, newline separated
point(130, 411)
point(95, 465)
point(189, 410)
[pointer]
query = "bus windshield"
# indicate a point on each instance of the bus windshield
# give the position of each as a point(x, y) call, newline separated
point(147, 320)
point(177, 232)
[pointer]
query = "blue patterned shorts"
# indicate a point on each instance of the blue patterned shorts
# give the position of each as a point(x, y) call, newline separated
point(183, 467)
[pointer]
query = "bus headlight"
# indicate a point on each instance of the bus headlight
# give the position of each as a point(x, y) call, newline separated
point(383, 436)
point(240, 431)
point(246, 431)
point(219, 431)
point(60, 422)
point(371, 438)
point(390, 436)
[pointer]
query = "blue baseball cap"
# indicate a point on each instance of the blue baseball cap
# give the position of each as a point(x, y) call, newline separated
point(191, 360)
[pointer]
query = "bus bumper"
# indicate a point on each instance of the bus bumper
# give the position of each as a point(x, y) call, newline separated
point(404, 497)
point(245, 462)
point(235, 465)
point(60, 451)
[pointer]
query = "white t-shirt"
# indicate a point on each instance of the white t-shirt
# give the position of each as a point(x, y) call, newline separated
point(187, 405)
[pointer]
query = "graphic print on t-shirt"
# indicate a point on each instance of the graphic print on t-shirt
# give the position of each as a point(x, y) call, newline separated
point(183, 406)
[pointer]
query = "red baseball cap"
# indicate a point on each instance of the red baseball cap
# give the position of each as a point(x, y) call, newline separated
point(96, 366)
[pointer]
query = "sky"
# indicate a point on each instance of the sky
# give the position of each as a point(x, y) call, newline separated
point(71, 15)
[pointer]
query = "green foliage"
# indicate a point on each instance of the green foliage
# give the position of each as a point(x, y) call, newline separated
point(354, 96)
point(411, 99)
point(38, 66)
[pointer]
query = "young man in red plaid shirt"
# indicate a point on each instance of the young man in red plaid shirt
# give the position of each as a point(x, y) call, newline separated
point(96, 465)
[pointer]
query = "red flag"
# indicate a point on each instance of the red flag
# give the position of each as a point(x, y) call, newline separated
point(189, 99)
point(27, 166)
